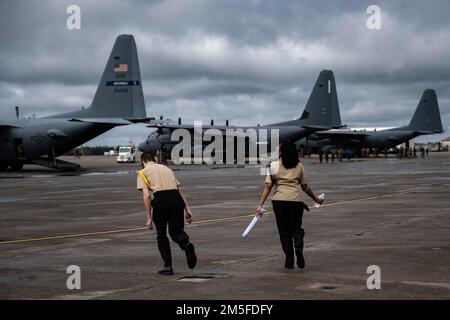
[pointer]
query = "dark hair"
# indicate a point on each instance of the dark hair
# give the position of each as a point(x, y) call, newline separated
point(147, 157)
point(289, 154)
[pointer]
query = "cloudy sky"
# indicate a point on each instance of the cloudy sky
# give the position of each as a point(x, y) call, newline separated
point(246, 61)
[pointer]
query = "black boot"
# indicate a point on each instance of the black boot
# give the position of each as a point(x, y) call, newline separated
point(289, 263)
point(167, 271)
point(300, 259)
point(191, 258)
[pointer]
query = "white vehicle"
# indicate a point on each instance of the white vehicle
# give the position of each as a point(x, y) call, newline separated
point(110, 153)
point(126, 154)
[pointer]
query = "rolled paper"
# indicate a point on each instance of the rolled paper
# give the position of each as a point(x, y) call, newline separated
point(250, 226)
point(321, 196)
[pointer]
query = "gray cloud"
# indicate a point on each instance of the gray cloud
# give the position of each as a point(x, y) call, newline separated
point(246, 61)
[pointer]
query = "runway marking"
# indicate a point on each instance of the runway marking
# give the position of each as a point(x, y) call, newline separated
point(133, 229)
point(206, 221)
point(385, 195)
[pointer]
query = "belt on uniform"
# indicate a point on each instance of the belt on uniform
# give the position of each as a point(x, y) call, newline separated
point(163, 192)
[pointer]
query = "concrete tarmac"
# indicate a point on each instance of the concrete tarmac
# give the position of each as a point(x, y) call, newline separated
point(386, 212)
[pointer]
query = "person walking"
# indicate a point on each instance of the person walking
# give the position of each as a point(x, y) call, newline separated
point(288, 176)
point(162, 194)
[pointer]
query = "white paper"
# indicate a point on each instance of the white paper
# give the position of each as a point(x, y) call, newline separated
point(321, 196)
point(250, 226)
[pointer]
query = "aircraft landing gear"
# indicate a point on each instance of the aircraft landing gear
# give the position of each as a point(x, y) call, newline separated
point(16, 166)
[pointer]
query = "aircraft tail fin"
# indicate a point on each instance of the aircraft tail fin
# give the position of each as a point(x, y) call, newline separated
point(119, 93)
point(427, 117)
point(322, 108)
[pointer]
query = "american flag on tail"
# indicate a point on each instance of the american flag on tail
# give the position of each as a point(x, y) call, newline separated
point(122, 67)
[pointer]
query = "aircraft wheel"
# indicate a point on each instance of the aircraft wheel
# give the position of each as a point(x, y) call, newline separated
point(17, 166)
point(3, 167)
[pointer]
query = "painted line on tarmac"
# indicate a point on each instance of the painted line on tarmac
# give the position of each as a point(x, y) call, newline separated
point(133, 229)
point(407, 191)
point(207, 221)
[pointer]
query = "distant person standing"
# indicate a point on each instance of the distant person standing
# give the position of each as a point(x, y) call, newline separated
point(341, 155)
point(422, 152)
point(287, 175)
point(161, 192)
point(427, 151)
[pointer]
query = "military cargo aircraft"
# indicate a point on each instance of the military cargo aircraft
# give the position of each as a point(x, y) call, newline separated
point(118, 101)
point(426, 120)
point(321, 113)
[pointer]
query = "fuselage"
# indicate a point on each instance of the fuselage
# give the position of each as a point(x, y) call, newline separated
point(380, 139)
point(251, 134)
point(33, 138)
point(388, 138)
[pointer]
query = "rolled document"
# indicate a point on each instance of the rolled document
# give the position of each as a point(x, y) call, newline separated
point(252, 224)
point(321, 196)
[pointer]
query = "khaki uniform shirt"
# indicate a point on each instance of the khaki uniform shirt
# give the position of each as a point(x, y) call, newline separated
point(159, 177)
point(287, 182)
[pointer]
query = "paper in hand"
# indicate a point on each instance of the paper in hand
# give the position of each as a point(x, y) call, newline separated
point(253, 223)
point(321, 196)
point(250, 226)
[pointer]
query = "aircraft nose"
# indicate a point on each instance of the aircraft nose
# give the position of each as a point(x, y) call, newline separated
point(142, 146)
point(150, 145)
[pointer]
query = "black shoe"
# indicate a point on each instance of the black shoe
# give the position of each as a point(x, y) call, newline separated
point(289, 263)
point(300, 259)
point(191, 258)
point(167, 271)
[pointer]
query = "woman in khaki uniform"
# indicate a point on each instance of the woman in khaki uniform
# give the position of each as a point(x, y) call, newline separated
point(287, 175)
point(161, 192)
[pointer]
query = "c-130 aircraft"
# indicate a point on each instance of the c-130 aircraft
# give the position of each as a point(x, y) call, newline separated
point(118, 101)
point(321, 113)
point(426, 120)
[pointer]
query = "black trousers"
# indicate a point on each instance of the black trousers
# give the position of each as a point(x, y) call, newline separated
point(168, 211)
point(289, 216)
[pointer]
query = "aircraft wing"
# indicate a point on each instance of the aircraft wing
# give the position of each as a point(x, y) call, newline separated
point(157, 123)
point(188, 127)
point(8, 124)
point(317, 128)
point(422, 132)
point(342, 134)
point(110, 121)
point(140, 120)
